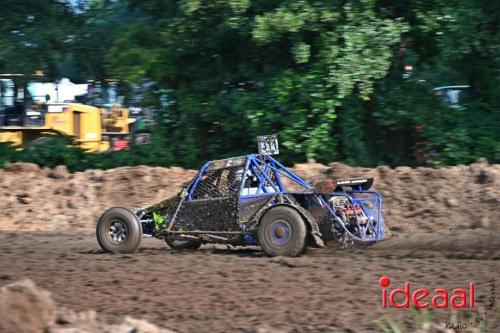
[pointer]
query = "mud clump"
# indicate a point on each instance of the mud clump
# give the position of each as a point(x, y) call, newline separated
point(415, 199)
point(26, 308)
point(21, 167)
point(59, 172)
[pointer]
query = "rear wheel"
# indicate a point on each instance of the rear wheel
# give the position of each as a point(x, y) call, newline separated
point(282, 232)
point(119, 231)
point(182, 244)
point(38, 142)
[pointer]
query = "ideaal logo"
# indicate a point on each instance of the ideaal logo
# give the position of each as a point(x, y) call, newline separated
point(458, 298)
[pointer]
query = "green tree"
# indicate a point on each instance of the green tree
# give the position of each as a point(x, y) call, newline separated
point(449, 43)
point(37, 35)
point(242, 68)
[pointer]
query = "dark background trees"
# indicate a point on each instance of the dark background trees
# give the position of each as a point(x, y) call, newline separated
point(331, 77)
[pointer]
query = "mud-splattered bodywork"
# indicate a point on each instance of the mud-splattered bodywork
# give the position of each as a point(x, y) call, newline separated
point(225, 201)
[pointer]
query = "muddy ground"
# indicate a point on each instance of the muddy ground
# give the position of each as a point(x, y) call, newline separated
point(445, 232)
point(239, 290)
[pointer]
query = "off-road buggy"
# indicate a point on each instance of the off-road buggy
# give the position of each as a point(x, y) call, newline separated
point(250, 200)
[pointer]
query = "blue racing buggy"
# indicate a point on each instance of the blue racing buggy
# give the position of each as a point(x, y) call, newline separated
point(250, 200)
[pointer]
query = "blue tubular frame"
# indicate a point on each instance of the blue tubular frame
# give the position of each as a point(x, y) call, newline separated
point(263, 178)
point(278, 170)
point(376, 200)
point(242, 185)
point(197, 180)
point(259, 165)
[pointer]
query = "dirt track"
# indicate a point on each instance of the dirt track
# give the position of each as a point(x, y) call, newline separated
point(445, 233)
point(239, 290)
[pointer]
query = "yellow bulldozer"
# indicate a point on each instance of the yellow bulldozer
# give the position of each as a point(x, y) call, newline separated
point(32, 111)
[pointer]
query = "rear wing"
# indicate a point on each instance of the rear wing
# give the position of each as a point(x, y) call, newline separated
point(356, 184)
point(341, 185)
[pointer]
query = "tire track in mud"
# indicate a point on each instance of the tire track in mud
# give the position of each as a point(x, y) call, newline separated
point(220, 289)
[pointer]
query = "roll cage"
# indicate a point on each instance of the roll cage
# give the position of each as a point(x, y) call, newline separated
point(256, 176)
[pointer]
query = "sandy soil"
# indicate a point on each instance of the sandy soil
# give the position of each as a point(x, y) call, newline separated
point(216, 289)
point(444, 224)
point(415, 200)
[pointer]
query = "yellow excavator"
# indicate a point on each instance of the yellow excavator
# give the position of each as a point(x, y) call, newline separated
point(32, 110)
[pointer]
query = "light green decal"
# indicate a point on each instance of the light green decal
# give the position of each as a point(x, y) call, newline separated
point(158, 219)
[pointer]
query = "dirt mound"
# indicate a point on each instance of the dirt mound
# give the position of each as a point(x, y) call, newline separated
point(427, 199)
point(25, 308)
point(50, 199)
point(415, 200)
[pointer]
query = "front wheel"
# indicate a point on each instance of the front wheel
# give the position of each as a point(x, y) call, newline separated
point(119, 231)
point(282, 232)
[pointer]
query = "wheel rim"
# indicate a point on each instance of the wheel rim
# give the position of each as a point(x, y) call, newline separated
point(118, 232)
point(280, 232)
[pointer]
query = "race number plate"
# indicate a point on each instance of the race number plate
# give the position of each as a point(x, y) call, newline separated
point(268, 144)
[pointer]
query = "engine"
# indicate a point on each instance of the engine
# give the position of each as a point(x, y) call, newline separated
point(349, 214)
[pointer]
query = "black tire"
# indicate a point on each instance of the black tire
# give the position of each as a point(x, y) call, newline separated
point(119, 231)
point(184, 244)
point(38, 142)
point(282, 232)
point(142, 138)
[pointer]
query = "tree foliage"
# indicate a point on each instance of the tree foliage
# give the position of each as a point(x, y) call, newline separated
point(36, 35)
point(242, 68)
